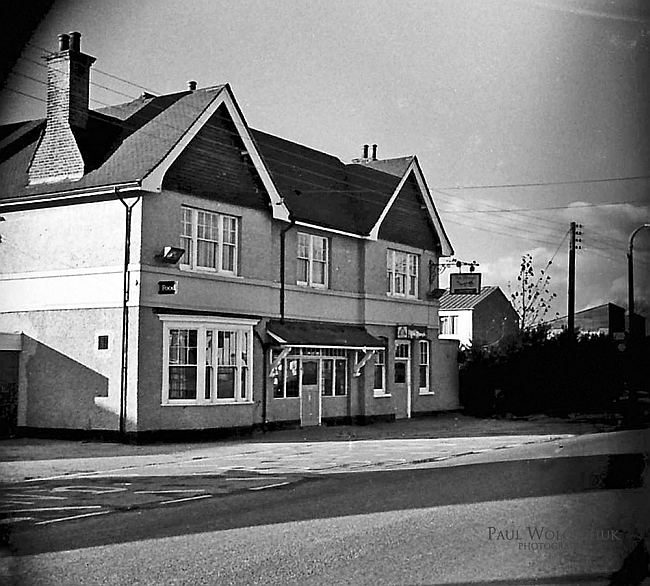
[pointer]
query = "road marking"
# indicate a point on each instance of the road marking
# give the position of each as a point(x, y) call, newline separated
point(89, 489)
point(252, 478)
point(31, 496)
point(71, 518)
point(167, 491)
point(47, 509)
point(191, 498)
point(15, 519)
point(269, 486)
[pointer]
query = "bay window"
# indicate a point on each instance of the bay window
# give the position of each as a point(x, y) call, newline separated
point(206, 362)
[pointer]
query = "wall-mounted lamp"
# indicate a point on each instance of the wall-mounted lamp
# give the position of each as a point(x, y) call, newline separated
point(170, 255)
point(436, 293)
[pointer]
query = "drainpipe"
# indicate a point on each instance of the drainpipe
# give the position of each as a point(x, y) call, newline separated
point(125, 313)
point(265, 349)
point(292, 223)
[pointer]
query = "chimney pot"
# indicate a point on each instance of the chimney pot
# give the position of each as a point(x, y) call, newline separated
point(374, 152)
point(365, 151)
point(75, 42)
point(191, 86)
point(64, 42)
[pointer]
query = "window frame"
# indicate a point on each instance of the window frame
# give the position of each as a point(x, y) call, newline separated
point(311, 260)
point(424, 389)
point(383, 390)
point(451, 319)
point(190, 241)
point(410, 288)
point(243, 375)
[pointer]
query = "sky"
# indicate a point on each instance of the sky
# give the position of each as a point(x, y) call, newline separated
point(525, 115)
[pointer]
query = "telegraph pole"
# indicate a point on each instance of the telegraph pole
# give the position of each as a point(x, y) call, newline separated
point(571, 310)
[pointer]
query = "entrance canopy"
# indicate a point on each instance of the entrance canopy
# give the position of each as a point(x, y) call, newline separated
point(308, 334)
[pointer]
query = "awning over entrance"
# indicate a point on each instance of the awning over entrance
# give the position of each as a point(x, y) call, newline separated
point(308, 334)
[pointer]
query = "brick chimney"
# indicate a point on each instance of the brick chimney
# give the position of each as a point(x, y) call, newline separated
point(57, 157)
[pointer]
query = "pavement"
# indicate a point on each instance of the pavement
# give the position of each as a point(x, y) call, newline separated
point(443, 439)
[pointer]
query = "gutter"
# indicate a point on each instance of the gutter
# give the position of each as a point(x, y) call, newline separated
point(36, 201)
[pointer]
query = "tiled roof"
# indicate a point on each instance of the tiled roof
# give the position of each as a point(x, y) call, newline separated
point(465, 300)
point(320, 189)
point(126, 141)
point(123, 144)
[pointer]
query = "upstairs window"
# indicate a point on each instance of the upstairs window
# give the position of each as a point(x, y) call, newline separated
point(402, 272)
point(210, 241)
point(448, 325)
point(313, 260)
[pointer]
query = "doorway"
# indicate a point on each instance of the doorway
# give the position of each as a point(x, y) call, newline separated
point(310, 412)
point(402, 379)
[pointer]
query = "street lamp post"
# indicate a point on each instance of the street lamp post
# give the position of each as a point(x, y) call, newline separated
point(632, 341)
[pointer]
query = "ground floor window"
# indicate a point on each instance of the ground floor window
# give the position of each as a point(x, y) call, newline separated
point(379, 385)
point(424, 354)
point(206, 362)
point(325, 367)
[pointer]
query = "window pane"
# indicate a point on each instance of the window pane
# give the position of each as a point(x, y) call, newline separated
point(303, 245)
point(328, 377)
point(379, 377)
point(400, 372)
point(319, 248)
point(226, 382)
point(424, 376)
point(228, 258)
point(303, 270)
point(310, 372)
point(340, 379)
point(318, 275)
point(402, 350)
point(182, 382)
point(278, 379)
point(209, 364)
point(424, 352)
point(292, 378)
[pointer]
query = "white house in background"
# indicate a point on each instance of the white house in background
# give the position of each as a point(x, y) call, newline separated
point(484, 318)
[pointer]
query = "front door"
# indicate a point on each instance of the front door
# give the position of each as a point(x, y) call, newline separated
point(402, 380)
point(309, 393)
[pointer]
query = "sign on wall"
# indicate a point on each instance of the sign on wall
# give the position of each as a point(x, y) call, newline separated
point(465, 283)
point(167, 287)
point(411, 332)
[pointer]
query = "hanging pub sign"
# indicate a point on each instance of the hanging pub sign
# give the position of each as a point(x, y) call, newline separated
point(411, 332)
point(465, 283)
point(167, 287)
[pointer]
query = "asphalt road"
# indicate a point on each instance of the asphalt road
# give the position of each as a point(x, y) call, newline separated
point(562, 520)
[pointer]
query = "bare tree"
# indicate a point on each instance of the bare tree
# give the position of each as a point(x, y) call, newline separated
point(532, 298)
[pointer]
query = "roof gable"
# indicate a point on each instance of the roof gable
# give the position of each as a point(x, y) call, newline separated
point(407, 222)
point(215, 164)
point(414, 170)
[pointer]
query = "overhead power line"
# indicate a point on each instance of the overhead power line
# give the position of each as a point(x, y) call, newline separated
point(550, 183)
